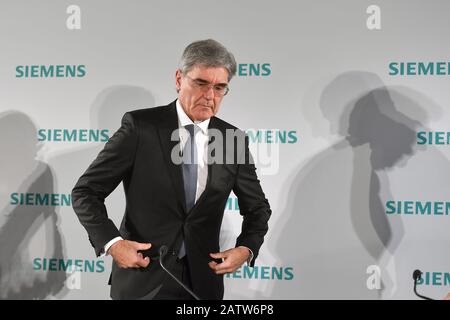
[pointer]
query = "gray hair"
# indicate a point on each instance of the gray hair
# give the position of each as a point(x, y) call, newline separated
point(209, 53)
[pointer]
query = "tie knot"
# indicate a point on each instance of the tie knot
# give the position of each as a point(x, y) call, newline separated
point(191, 128)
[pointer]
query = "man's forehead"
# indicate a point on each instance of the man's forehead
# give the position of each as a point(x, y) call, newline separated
point(220, 74)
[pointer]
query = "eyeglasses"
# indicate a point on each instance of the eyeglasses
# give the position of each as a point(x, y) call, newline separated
point(219, 89)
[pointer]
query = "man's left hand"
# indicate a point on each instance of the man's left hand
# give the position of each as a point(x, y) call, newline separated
point(232, 259)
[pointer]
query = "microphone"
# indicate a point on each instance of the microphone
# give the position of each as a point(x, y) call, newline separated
point(417, 275)
point(162, 252)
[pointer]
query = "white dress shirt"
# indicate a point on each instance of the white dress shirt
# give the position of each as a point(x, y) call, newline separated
point(201, 141)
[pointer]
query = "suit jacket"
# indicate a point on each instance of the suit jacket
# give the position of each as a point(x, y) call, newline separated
point(139, 154)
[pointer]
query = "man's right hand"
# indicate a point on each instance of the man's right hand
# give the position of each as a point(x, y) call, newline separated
point(125, 254)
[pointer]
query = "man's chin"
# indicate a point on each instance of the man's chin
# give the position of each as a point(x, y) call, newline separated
point(204, 115)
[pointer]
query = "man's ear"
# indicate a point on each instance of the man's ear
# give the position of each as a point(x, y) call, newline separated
point(178, 76)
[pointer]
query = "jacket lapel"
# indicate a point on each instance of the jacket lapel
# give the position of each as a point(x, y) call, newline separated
point(167, 126)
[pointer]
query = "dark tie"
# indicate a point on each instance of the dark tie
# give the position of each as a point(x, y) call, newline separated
point(189, 173)
point(190, 167)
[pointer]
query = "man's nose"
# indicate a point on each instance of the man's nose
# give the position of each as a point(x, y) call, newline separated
point(209, 94)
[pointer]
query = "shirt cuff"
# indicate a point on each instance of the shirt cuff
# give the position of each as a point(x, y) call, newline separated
point(250, 257)
point(108, 245)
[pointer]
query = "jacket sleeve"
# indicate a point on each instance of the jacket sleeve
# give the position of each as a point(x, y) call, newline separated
point(253, 205)
point(110, 167)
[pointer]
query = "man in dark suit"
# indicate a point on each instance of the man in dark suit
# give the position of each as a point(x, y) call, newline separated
point(178, 164)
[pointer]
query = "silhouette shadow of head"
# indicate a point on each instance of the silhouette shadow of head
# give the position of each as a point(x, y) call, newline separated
point(28, 230)
point(389, 133)
point(335, 100)
point(111, 103)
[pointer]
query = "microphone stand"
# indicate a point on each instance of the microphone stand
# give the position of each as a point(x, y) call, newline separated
point(162, 252)
point(417, 275)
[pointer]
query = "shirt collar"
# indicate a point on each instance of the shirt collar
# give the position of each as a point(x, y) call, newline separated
point(184, 120)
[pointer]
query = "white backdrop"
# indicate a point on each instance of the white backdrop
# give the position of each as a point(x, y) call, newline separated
point(356, 91)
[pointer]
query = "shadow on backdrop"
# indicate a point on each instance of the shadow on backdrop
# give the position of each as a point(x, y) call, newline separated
point(27, 232)
point(106, 112)
point(334, 225)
